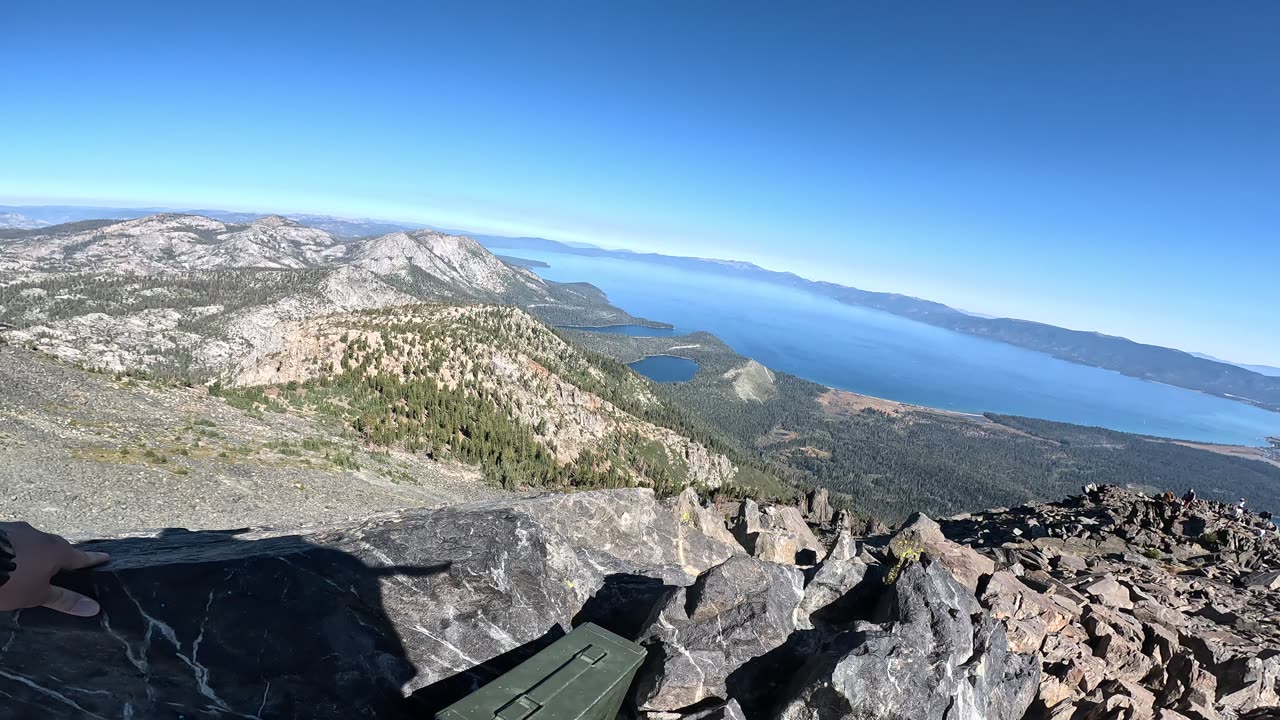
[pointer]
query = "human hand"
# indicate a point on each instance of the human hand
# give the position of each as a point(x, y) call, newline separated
point(38, 556)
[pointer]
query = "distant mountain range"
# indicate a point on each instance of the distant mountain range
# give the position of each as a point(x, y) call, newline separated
point(397, 267)
point(1267, 370)
point(342, 228)
point(9, 220)
point(1256, 385)
point(1252, 385)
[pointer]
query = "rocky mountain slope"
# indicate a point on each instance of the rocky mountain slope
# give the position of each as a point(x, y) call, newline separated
point(88, 452)
point(172, 243)
point(182, 293)
point(299, 322)
point(491, 383)
point(191, 296)
point(1105, 605)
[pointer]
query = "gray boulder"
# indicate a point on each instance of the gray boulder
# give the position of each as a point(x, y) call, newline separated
point(734, 613)
point(936, 655)
point(818, 506)
point(778, 534)
point(747, 524)
point(390, 618)
point(789, 521)
point(920, 535)
point(1107, 591)
point(777, 547)
point(1263, 579)
point(690, 512)
point(830, 596)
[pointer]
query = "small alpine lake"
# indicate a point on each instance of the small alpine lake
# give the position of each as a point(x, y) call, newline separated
point(665, 368)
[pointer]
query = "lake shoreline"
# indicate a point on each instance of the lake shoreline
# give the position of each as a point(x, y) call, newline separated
point(711, 353)
point(665, 373)
point(1252, 452)
point(638, 322)
point(883, 355)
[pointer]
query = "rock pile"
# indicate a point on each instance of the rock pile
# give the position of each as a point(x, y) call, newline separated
point(1107, 605)
point(1171, 609)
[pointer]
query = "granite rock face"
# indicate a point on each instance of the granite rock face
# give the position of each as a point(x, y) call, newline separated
point(382, 620)
point(777, 533)
point(834, 586)
point(734, 613)
point(1106, 605)
point(935, 656)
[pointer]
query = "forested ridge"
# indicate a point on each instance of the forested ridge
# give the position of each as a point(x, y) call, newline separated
point(492, 387)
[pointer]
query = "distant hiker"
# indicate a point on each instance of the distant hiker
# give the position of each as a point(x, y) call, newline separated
point(1167, 496)
point(1237, 510)
point(1189, 498)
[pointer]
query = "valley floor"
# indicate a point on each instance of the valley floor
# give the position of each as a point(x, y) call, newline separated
point(1242, 451)
point(891, 458)
point(87, 453)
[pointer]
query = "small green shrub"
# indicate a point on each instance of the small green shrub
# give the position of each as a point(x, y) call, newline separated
point(907, 554)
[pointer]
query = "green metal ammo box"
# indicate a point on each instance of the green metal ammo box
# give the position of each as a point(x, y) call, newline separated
point(584, 675)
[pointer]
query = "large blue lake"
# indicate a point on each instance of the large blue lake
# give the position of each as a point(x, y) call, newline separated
point(875, 353)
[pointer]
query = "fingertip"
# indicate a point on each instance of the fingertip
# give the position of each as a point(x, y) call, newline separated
point(70, 602)
point(85, 607)
point(96, 558)
point(83, 559)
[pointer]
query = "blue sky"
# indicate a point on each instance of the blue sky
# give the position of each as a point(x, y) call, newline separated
point(1099, 165)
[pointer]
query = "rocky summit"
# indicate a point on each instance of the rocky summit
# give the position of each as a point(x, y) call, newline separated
point(1110, 604)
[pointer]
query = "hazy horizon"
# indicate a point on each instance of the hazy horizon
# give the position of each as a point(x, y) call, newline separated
point(1080, 166)
point(4, 202)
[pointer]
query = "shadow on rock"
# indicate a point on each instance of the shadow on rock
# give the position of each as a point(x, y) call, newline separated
point(426, 702)
point(214, 624)
point(758, 685)
point(624, 604)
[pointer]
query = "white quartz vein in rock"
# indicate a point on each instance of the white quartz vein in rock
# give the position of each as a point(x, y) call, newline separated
point(24, 680)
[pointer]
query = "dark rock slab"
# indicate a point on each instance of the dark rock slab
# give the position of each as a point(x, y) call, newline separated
point(391, 618)
point(734, 613)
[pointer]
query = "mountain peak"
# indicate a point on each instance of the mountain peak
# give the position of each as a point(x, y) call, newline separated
point(161, 222)
point(275, 221)
point(452, 259)
point(20, 222)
